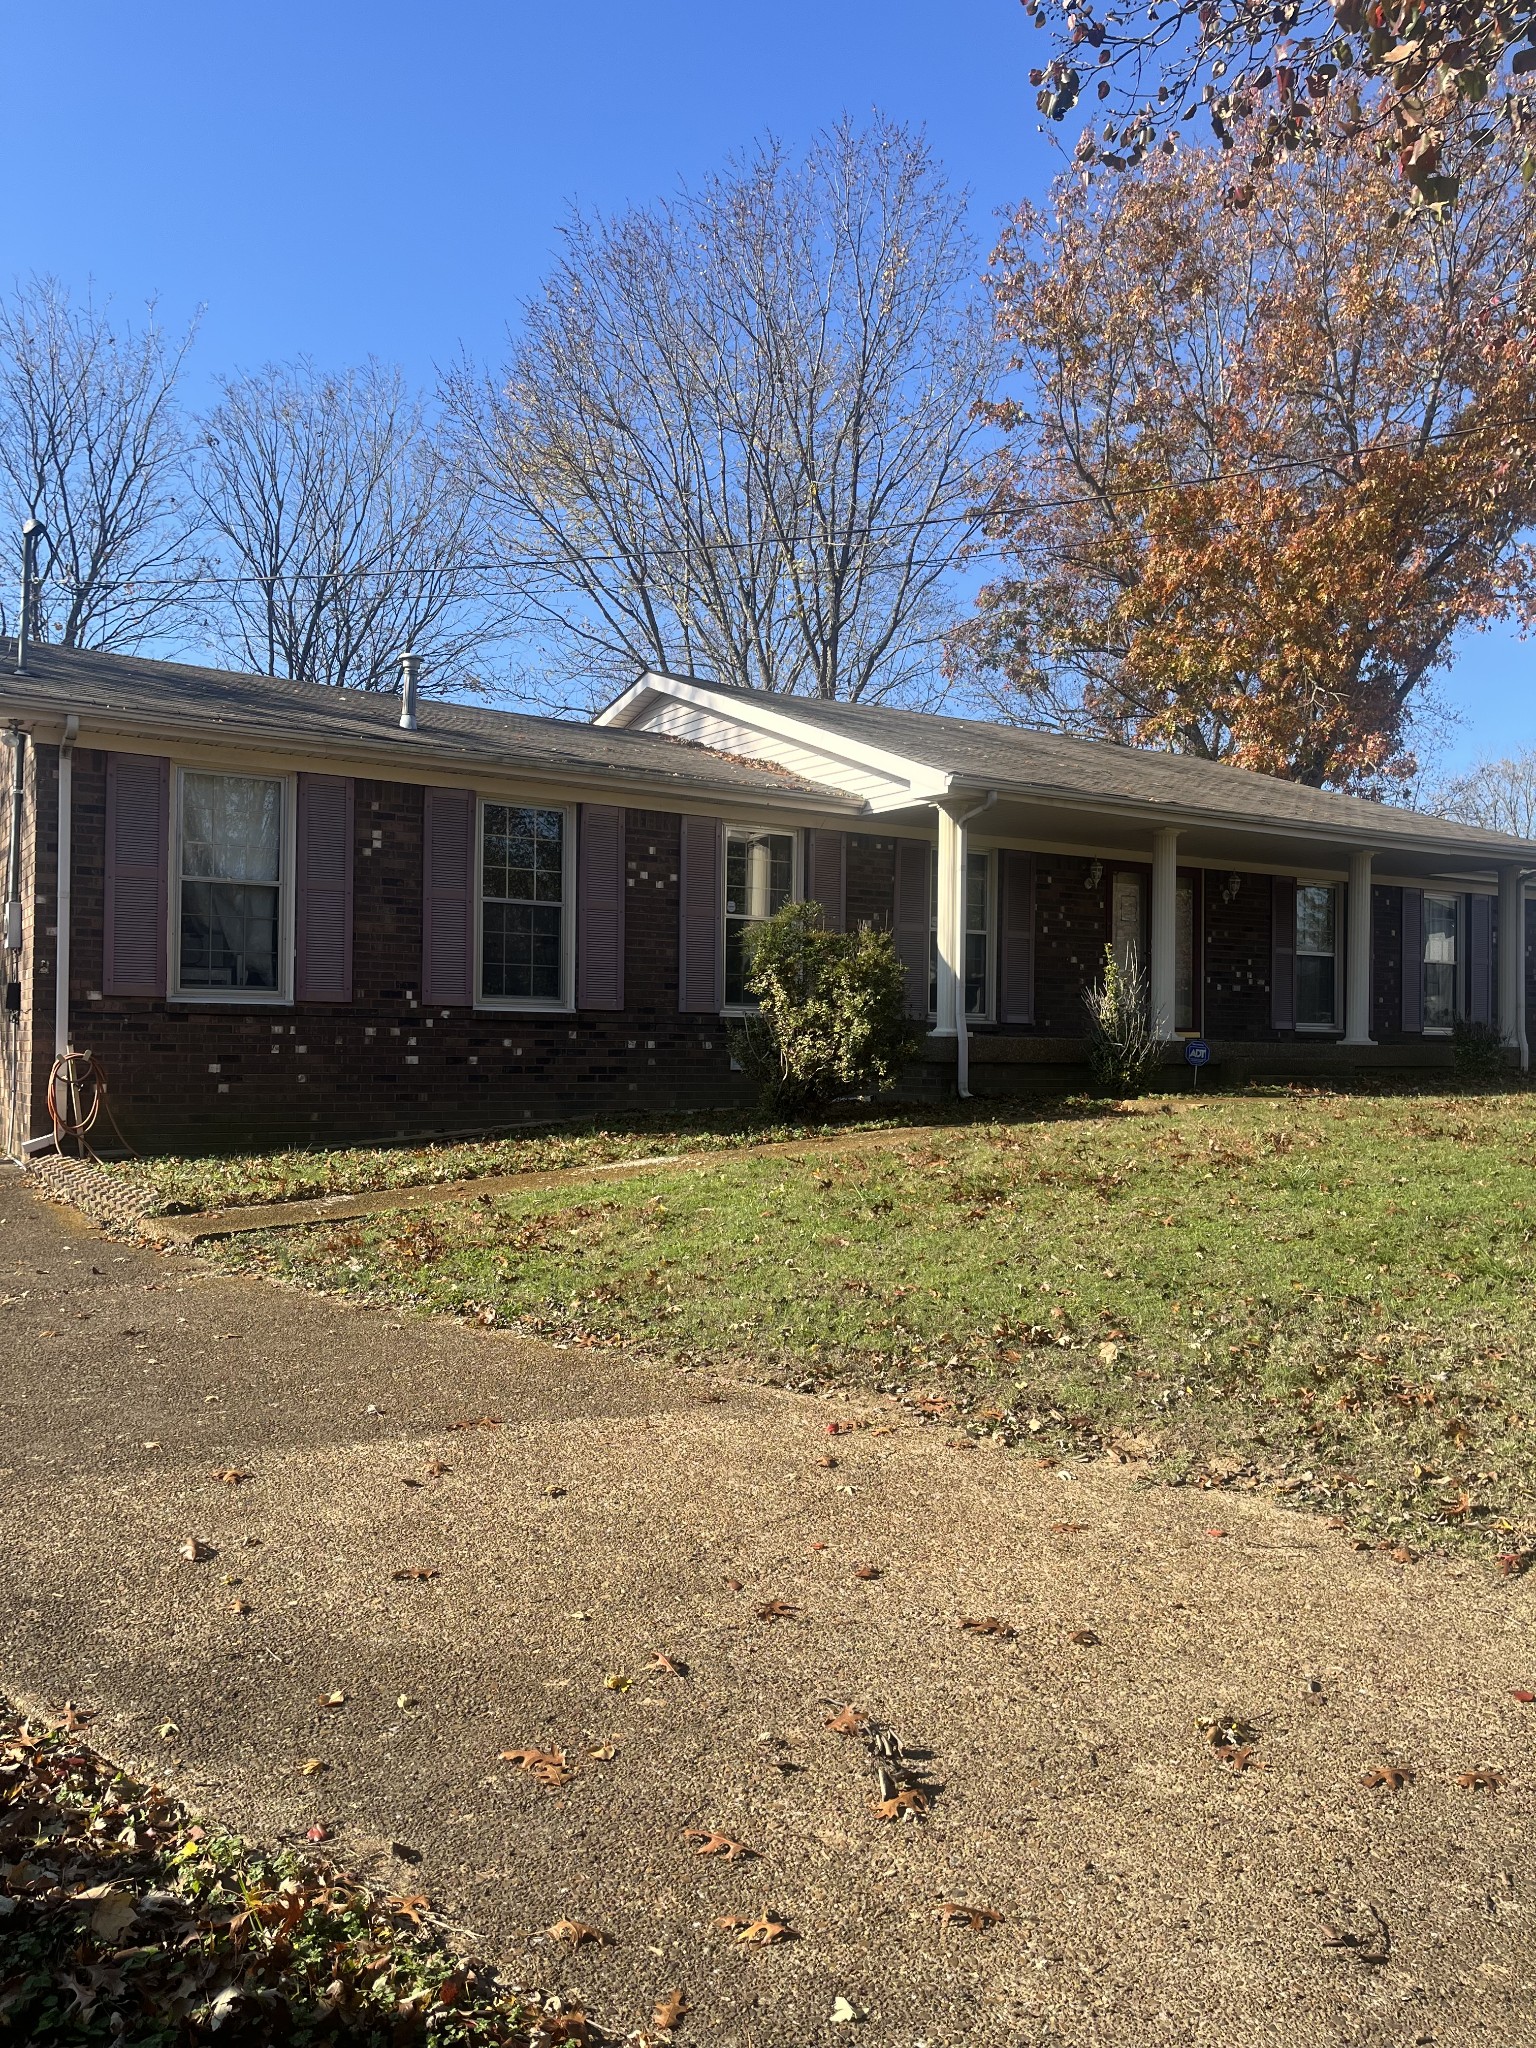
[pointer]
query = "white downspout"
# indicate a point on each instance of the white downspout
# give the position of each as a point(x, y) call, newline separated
point(962, 1024)
point(61, 1043)
point(1525, 1049)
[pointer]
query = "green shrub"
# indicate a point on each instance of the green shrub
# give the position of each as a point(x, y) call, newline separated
point(1123, 1053)
point(832, 1017)
point(1478, 1050)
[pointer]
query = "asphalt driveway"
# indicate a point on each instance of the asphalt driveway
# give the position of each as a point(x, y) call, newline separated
point(1151, 1890)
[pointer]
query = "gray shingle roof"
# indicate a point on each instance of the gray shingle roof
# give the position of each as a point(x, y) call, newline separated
point(311, 716)
point(1016, 757)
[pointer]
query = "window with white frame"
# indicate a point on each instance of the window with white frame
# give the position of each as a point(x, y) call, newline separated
point(978, 933)
point(230, 881)
point(759, 879)
point(1317, 956)
point(1442, 922)
point(524, 935)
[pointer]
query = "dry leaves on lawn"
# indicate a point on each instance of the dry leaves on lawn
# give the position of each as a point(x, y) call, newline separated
point(866, 1571)
point(1481, 1781)
point(332, 1700)
point(952, 1914)
point(412, 1906)
point(777, 1610)
point(576, 1932)
point(661, 1662)
point(417, 1571)
point(760, 1932)
point(230, 1475)
point(711, 1842)
point(1390, 1777)
point(989, 1625)
point(668, 2011)
point(1087, 1638)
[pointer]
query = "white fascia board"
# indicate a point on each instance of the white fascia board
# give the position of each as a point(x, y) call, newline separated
point(921, 782)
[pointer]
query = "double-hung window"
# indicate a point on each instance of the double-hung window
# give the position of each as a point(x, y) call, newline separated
point(978, 933)
point(525, 895)
point(759, 879)
point(232, 884)
point(1441, 931)
point(1317, 957)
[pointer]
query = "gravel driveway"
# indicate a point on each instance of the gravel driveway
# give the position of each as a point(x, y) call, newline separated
point(1151, 1890)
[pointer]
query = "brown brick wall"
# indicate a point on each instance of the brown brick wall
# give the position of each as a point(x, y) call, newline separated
point(208, 1075)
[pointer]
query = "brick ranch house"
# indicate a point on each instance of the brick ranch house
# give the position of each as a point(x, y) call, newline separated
point(275, 912)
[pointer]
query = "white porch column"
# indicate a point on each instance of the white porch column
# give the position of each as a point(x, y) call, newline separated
point(1357, 969)
point(951, 919)
point(1164, 934)
point(1511, 952)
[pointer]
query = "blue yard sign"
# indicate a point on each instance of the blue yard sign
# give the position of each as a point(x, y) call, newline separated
point(1196, 1054)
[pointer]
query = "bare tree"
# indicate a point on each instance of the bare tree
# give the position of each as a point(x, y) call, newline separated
point(1500, 795)
point(735, 434)
point(91, 441)
point(339, 530)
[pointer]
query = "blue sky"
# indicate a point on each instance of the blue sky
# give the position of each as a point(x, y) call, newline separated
point(338, 178)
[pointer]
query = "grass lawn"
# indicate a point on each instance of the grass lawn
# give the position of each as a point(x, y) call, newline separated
point(1328, 1293)
point(238, 1179)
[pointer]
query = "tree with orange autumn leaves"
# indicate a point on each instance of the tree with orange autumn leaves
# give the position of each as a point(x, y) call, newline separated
point(1273, 448)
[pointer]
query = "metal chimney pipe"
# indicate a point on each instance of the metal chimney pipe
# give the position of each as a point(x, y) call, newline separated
point(31, 528)
point(410, 668)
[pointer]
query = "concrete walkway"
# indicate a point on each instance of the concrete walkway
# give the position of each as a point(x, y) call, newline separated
point(1150, 1894)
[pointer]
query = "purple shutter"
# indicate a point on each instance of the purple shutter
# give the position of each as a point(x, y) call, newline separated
point(600, 908)
point(1016, 930)
point(1413, 959)
point(826, 869)
point(911, 925)
point(1480, 959)
point(137, 858)
point(700, 962)
point(1282, 962)
point(447, 896)
point(322, 911)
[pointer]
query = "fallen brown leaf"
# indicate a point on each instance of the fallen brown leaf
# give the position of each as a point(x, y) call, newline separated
point(416, 1571)
point(576, 1932)
point(668, 2011)
point(910, 1799)
point(1085, 1636)
point(777, 1610)
point(849, 1722)
point(974, 1917)
point(478, 1422)
point(1525, 1698)
point(436, 1468)
point(1239, 1757)
point(661, 1662)
point(866, 1571)
point(413, 1906)
point(711, 1842)
point(545, 1766)
point(312, 1766)
point(989, 1625)
point(230, 1475)
point(195, 1551)
point(760, 1932)
point(332, 1699)
point(1390, 1777)
point(1480, 1781)
point(733, 1585)
point(1068, 1528)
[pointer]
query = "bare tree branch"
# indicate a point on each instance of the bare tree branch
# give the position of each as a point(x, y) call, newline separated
point(91, 443)
point(340, 530)
point(737, 432)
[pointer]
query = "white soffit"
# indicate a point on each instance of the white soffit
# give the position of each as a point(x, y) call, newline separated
point(692, 711)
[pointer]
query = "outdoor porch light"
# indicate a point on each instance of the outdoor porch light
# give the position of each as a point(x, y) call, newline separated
point(1095, 873)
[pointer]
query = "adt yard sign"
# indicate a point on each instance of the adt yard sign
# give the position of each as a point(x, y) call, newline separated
point(1196, 1054)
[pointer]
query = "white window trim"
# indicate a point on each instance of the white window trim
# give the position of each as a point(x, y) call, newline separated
point(565, 1004)
point(281, 997)
point(987, 1013)
point(1337, 892)
point(1455, 900)
point(796, 890)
